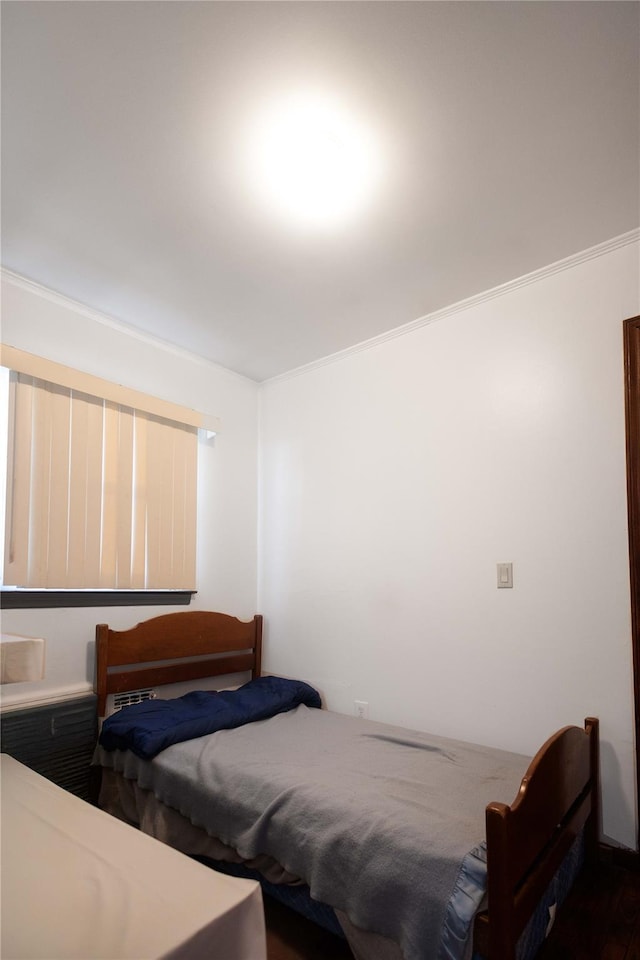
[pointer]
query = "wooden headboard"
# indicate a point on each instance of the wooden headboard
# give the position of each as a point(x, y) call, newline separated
point(197, 644)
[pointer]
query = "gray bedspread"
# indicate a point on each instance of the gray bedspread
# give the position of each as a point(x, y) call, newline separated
point(376, 819)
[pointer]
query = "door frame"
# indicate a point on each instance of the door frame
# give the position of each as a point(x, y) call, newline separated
point(631, 336)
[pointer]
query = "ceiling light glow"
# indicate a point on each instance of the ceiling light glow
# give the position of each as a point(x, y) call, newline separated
point(312, 162)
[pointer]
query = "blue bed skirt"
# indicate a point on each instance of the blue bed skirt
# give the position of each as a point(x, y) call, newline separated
point(297, 897)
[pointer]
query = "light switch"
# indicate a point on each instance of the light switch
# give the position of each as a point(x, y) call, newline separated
point(505, 575)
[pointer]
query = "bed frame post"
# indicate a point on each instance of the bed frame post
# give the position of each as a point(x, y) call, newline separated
point(592, 829)
point(257, 649)
point(501, 939)
point(100, 684)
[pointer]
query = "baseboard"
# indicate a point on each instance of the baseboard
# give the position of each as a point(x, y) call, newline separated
point(620, 857)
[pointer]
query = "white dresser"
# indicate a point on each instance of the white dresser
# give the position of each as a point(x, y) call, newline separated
point(78, 884)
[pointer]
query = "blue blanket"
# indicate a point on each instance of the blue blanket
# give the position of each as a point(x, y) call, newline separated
point(149, 727)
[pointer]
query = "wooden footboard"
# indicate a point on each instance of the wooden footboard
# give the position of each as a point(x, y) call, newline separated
point(527, 841)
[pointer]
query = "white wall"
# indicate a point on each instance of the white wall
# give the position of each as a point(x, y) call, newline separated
point(394, 478)
point(227, 511)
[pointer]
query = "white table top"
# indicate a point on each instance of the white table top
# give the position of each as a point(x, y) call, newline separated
point(78, 884)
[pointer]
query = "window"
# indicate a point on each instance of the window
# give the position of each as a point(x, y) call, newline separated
point(101, 488)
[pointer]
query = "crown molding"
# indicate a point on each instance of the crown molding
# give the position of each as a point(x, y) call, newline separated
point(591, 253)
point(60, 300)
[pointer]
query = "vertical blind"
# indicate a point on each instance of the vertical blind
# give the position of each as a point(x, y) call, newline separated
point(99, 496)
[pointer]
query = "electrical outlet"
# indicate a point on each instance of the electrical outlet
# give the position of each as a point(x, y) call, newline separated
point(361, 709)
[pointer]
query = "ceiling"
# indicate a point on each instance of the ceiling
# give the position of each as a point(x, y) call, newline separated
point(507, 134)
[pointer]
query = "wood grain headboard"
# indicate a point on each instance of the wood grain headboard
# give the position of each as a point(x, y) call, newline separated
point(197, 644)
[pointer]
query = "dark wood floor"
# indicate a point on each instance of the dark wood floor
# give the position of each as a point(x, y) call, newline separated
point(291, 937)
point(600, 921)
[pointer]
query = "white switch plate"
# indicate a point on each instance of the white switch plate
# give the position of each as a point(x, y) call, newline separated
point(505, 575)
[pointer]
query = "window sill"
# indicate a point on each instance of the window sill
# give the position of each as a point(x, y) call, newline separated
point(31, 599)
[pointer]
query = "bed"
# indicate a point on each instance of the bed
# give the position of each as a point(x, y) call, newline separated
point(421, 847)
point(79, 885)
